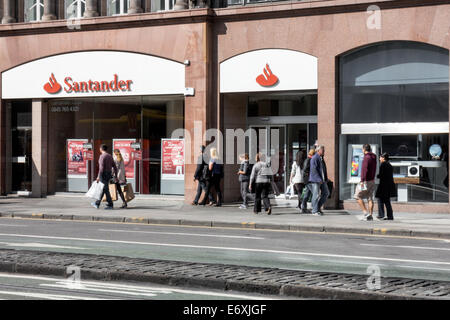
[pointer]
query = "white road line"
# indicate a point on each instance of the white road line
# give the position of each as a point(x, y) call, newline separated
point(226, 248)
point(119, 286)
point(183, 234)
point(427, 268)
point(87, 288)
point(406, 247)
point(13, 225)
point(46, 296)
point(38, 245)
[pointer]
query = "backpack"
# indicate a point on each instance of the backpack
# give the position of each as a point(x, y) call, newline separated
point(217, 170)
point(266, 170)
point(206, 174)
point(249, 169)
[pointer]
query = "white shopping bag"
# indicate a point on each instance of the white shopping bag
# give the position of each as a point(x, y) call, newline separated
point(95, 191)
point(290, 192)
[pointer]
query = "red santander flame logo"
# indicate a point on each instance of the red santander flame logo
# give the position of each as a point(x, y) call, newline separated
point(52, 86)
point(267, 79)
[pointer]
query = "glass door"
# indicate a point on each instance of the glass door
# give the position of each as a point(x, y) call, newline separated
point(270, 140)
point(21, 147)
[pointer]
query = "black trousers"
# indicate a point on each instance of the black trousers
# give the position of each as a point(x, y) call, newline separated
point(201, 186)
point(106, 176)
point(119, 190)
point(385, 202)
point(299, 188)
point(213, 182)
point(262, 192)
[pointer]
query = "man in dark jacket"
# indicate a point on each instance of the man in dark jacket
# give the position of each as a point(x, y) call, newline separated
point(318, 181)
point(106, 165)
point(366, 188)
point(386, 189)
point(200, 176)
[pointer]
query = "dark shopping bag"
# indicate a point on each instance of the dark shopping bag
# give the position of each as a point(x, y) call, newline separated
point(330, 188)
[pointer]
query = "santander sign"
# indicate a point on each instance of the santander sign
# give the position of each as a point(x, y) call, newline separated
point(89, 86)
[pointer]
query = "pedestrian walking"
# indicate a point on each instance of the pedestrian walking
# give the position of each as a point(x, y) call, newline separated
point(121, 178)
point(318, 179)
point(216, 171)
point(307, 193)
point(244, 173)
point(386, 189)
point(106, 167)
point(297, 176)
point(201, 175)
point(366, 188)
point(260, 181)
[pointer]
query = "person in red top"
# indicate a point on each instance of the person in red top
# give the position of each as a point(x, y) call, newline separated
point(106, 164)
point(366, 188)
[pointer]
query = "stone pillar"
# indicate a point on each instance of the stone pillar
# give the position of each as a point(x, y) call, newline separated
point(8, 11)
point(181, 5)
point(49, 10)
point(327, 127)
point(39, 149)
point(135, 7)
point(91, 9)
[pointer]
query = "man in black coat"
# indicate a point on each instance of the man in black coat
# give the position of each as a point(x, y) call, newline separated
point(386, 189)
point(199, 175)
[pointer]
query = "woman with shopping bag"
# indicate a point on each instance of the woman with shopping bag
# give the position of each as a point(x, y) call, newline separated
point(297, 176)
point(121, 178)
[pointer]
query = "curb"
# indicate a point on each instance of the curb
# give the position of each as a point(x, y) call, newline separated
point(241, 225)
point(298, 291)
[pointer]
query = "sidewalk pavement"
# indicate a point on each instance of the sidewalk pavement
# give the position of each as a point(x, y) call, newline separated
point(173, 211)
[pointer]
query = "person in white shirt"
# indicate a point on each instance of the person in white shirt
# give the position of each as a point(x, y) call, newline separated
point(297, 176)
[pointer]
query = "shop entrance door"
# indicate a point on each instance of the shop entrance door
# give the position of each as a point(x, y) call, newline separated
point(282, 143)
point(21, 148)
point(271, 141)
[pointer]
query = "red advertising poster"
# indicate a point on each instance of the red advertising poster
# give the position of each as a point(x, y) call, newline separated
point(76, 162)
point(172, 154)
point(124, 145)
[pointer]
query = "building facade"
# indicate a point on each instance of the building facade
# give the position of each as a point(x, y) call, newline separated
point(287, 75)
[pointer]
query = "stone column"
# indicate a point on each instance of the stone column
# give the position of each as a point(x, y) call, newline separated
point(135, 7)
point(39, 148)
point(91, 9)
point(181, 5)
point(8, 11)
point(49, 10)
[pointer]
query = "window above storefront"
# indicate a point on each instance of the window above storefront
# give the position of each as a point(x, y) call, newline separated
point(398, 81)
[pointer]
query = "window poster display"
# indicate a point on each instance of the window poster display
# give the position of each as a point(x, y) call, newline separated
point(172, 162)
point(124, 145)
point(76, 162)
point(355, 160)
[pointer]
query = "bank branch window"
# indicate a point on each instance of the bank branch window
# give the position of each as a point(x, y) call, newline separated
point(394, 96)
point(34, 9)
point(74, 8)
point(118, 7)
point(134, 125)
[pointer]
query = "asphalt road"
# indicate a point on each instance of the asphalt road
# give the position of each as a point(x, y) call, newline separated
point(346, 253)
point(28, 287)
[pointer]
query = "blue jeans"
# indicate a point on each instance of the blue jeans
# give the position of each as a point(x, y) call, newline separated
point(319, 195)
point(308, 193)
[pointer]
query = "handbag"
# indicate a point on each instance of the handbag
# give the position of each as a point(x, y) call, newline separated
point(330, 188)
point(128, 192)
point(304, 191)
point(289, 192)
point(95, 191)
point(112, 192)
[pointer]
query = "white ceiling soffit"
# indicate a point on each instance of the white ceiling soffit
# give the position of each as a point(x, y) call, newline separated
point(94, 73)
point(393, 128)
point(269, 70)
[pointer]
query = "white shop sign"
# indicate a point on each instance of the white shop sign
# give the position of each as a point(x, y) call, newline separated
point(268, 70)
point(92, 74)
